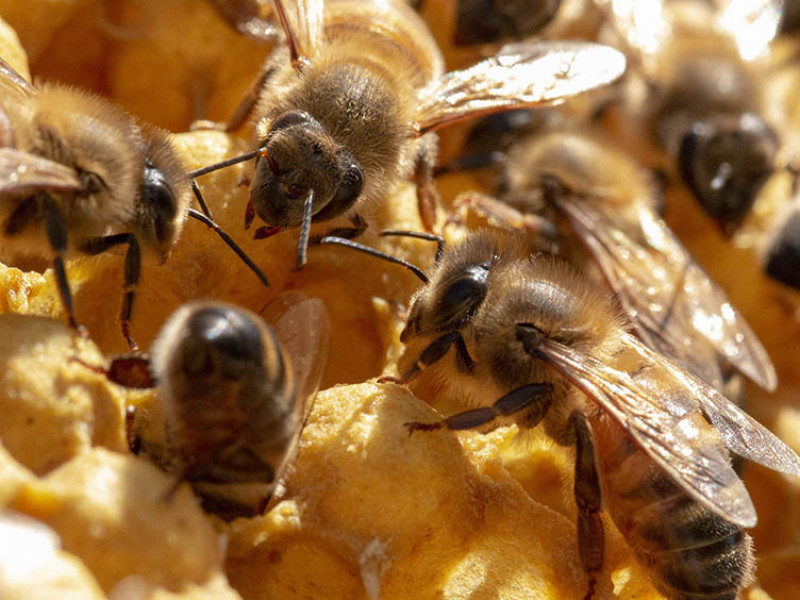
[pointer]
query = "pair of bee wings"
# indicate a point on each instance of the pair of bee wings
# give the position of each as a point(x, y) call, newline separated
point(662, 407)
point(518, 76)
point(667, 295)
point(22, 172)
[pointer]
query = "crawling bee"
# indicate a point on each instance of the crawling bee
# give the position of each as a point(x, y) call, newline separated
point(236, 393)
point(79, 176)
point(611, 204)
point(535, 342)
point(349, 107)
point(703, 101)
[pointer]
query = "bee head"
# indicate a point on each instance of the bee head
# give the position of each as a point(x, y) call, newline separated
point(301, 158)
point(725, 162)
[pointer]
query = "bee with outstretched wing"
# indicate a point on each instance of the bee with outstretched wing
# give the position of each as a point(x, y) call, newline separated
point(536, 343)
point(349, 107)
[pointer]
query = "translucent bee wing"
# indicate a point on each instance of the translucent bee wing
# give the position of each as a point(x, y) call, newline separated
point(661, 414)
point(742, 433)
point(253, 18)
point(24, 172)
point(302, 326)
point(524, 75)
point(667, 294)
point(301, 21)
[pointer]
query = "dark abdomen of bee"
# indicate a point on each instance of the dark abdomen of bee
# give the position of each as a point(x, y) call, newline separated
point(690, 552)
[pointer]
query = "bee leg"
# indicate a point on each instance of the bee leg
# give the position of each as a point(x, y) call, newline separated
point(23, 215)
point(500, 214)
point(436, 350)
point(130, 371)
point(588, 497)
point(245, 108)
point(534, 398)
point(133, 266)
point(427, 195)
point(57, 236)
point(242, 111)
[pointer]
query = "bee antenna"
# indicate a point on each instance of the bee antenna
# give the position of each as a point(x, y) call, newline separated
point(302, 245)
point(228, 240)
point(420, 235)
point(338, 241)
point(229, 162)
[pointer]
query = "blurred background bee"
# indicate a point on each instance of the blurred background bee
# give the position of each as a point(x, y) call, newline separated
point(235, 392)
point(697, 89)
point(534, 342)
point(349, 107)
point(80, 176)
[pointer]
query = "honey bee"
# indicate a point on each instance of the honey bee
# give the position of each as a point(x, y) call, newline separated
point(701, 96)
point(236, 393)
point(535, 342)
point(80, 176)
point(350, 107)
point(611, 203)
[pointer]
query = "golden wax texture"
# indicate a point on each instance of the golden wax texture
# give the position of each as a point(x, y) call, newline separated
point(366, 511)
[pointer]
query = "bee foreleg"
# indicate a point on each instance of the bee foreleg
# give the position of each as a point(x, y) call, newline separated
point(23, 214)
point(534, 398)
point(436, 351)
point(245, 108)
point(588, 497)
point(427, 195)
point(133, 266)
point(57, 236)
point(242, 111)
point(500, 214)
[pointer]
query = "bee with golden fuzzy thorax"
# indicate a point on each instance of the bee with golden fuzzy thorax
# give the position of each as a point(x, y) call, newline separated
point(349, 107)
point(535, 342)
point(610, 203)
point(79, 176)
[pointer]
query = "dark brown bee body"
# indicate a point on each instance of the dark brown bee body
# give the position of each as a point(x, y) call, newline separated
point(690, 552)
point(355, 101)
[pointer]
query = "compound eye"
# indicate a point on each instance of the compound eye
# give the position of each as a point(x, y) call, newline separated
point(350, 187)
point(158, 199)
point(461, 298)
point(725, 166)
point(291, 119)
